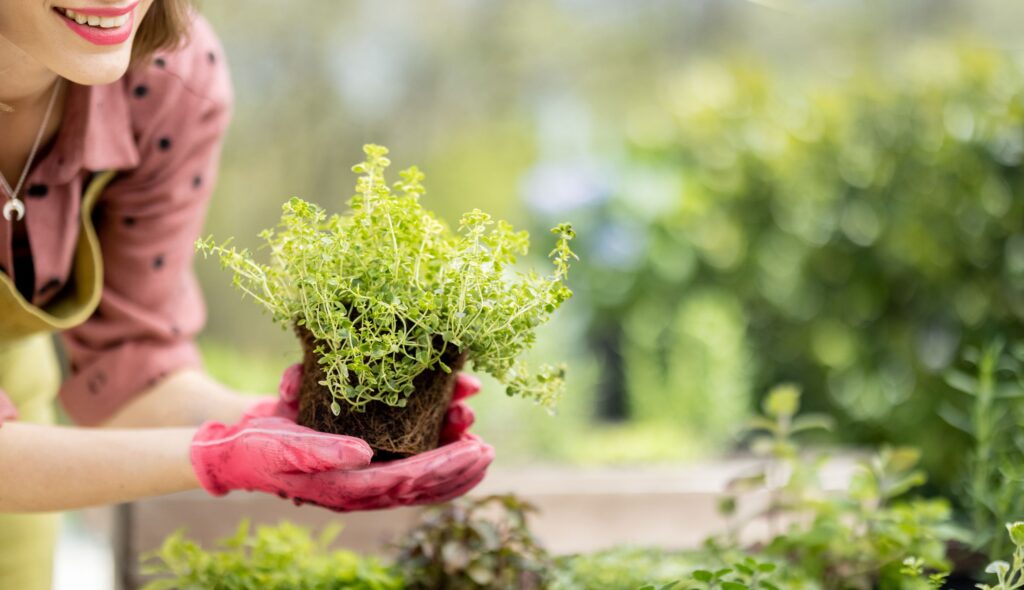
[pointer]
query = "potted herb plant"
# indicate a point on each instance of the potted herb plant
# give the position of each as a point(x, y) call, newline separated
point(388, 303)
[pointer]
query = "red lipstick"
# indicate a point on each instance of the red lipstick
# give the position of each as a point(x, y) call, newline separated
point(98, 35)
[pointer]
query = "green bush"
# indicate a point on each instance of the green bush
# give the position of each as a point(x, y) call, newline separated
point(1010, 576)
point(477, 544)
point(627, 567)
point(388, 291)
point(864, 225)
point(991, 490)
point(653, 569)
point(858, 538)
point(285, 557)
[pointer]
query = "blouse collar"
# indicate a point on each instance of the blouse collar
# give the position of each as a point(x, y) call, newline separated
point(95, 134)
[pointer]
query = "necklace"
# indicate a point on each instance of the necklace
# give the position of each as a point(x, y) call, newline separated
point(14, 207)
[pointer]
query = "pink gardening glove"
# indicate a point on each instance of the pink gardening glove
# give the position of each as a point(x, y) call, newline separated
point(7, 409)
point(460, 416)
point(286, 404)
point(435, 476)
point(273, 455)
point(440, 475)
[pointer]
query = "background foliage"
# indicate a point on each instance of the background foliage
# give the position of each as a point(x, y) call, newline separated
point(858, 233)
point(818, 192)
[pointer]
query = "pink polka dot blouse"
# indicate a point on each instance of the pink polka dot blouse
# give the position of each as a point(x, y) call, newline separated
point(161, 127)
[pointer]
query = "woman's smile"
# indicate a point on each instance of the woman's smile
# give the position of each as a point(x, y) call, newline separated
point(101, 26)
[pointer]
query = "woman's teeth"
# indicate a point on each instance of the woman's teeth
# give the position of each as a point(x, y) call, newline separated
point(103, 22)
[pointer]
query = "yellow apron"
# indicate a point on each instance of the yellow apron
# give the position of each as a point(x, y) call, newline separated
point(30, 375)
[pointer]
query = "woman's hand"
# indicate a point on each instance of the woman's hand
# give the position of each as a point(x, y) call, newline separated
point(272, 455)
point(439, 475)
point(460, 416)
point(48, 468)
point(286, 404)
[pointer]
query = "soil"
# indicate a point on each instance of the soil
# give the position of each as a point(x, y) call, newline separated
point(392, 432)
point(967, 563)
point(960, 581)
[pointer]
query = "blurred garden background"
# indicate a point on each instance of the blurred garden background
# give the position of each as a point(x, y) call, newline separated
point(826, 193)
point(821, 192)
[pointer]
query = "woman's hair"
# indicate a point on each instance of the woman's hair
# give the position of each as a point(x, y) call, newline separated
point(164, 27)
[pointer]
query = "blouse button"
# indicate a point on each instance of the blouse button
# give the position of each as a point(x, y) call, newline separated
point(38, 190)
point(97, 382)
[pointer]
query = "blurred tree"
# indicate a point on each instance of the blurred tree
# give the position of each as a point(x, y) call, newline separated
point(864, 228)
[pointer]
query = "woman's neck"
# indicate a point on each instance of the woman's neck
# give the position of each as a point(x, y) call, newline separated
point(25, 87)
point(25, 82)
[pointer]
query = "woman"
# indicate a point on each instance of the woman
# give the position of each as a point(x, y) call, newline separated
point(111, 119)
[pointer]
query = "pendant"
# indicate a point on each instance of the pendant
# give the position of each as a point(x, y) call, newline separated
point(14, 208)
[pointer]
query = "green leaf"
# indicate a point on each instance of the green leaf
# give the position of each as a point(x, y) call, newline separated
point(1016, 530)
point(480, 574)
point(811, 422)
point(905, 484)
point(955, 418)
point(761, 423)
point(1010, 391)
point(456, 557)
point(900, 459)
point(961, 382)
point(783, 401)
point(743, 569)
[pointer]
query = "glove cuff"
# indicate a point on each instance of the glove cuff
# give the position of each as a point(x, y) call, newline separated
point(203, 453)
point(7, 410)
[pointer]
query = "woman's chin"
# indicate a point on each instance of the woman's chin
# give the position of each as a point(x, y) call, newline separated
point(97, 70)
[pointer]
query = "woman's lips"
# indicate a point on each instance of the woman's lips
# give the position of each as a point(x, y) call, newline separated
point(100, 26)
point(102, 11)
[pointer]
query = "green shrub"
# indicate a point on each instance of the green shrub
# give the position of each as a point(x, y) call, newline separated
point(1010, 576)
point(653, 569)
point(475, 545)
point(865, 224)
point(992, 483)
point(285, 557)
point(387, 288)
point(626, 567)
point(858, 538)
